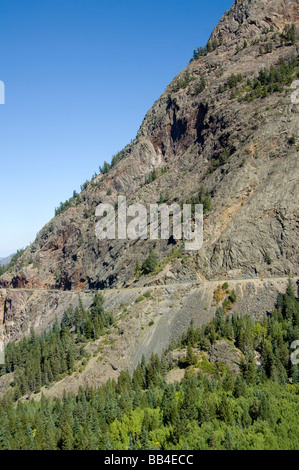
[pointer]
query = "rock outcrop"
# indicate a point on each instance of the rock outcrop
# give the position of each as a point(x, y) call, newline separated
point(227, 353)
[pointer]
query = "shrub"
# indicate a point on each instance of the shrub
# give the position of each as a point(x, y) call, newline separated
point(226, 305)
point(233, 297)
point(117, 157)
point(183, 82)
point(199, 87)
point(289, 34)
point(221, 160)
point(203, 197)
point(105, 168)
point(218, 294)
point(150, 264)
point(268, 258)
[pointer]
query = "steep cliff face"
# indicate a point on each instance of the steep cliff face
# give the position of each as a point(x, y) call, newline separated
point(214, 125)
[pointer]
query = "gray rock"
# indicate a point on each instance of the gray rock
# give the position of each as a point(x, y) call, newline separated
point(224, 351)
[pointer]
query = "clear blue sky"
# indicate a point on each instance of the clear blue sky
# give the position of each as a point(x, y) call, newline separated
point(80, 76)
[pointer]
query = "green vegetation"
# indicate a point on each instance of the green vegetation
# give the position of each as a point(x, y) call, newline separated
point(150, 263)
point(197, 53)
point(202, 51)
point(199, 87)
point(267, 82)
point(289, 34)
point(287, 38)
point(84, 185)
point(152, 266)
point(87, 213)
point(228, 298)
point(233, 296)
point(149, 266)
point(266, 48)
point(183, 82)
point(117, 157)
point(75, 200)
point(13, 262)
point(153, 175)
point(268, 258)
point(105, 168)
point(231, 83)
point(164, 197)
point(210, 409)
point(88, 324)
point(38, 361)
point(203, 197)
point(271, 81)
point(217, 162)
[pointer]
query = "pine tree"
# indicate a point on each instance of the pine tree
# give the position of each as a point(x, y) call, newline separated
point(5, 435)
point(67, 438)
point(150, 264)
point(145, 443)
point(190, 357)
point(168, 405)
point(212, 442)
point(228, 440)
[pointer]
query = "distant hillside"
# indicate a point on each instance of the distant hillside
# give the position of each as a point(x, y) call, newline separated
point(6, 261)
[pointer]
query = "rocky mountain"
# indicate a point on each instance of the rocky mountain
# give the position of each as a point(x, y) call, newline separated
point(225, 133)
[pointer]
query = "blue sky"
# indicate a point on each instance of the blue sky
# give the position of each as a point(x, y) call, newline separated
point(79, 77)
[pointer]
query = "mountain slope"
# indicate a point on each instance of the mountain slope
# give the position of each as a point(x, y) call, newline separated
point(211, 126)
